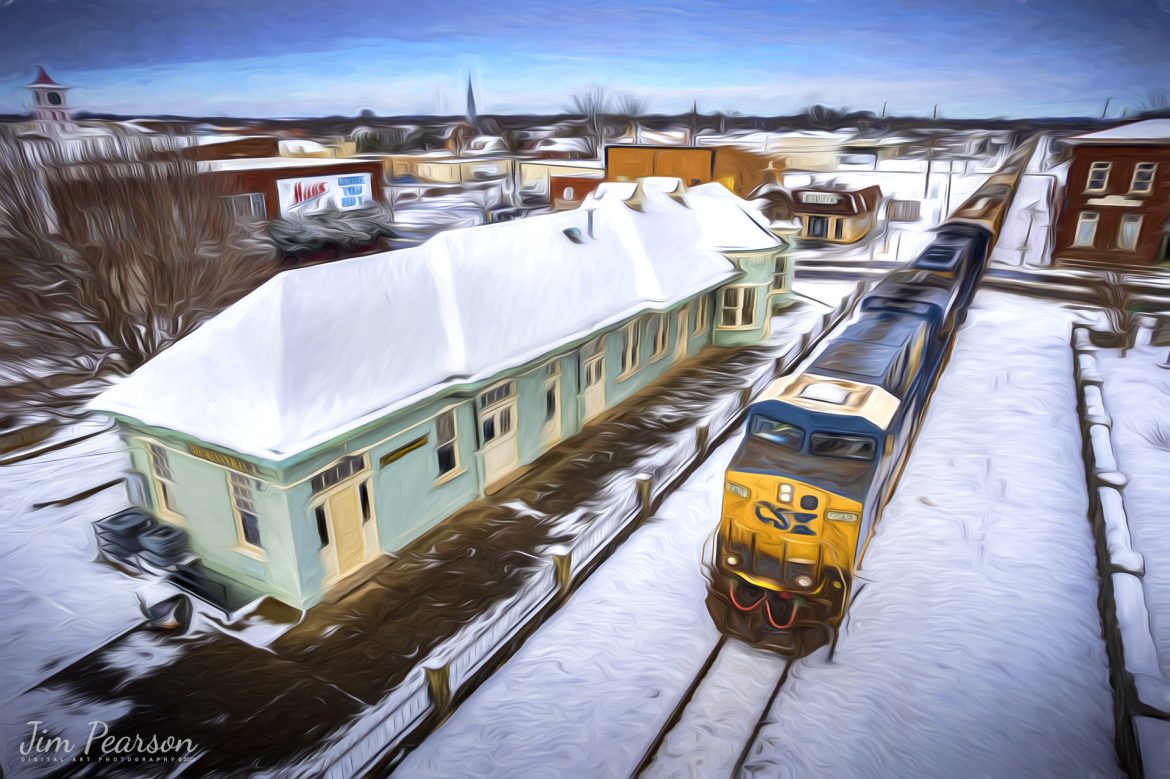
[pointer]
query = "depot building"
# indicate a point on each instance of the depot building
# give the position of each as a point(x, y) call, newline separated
point(339, 411)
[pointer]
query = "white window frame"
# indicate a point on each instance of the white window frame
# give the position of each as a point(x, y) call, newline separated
point(237, 483)
point(702, 314)
point(1104, 168)
point(631, 348)
point(743, 318)
point(661, 337)
point(505, 402)
point(1138, 169)
point(457, 468)
point(162, 485)
point(1086, 218)
point(1136, 221)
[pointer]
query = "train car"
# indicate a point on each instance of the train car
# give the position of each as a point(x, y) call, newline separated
point(822, 446)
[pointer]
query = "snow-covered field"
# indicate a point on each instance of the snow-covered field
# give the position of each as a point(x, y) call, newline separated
point(974, 647)
point(1137, 396)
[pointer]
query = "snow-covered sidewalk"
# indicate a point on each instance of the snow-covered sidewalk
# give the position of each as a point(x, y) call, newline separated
point(974, 647)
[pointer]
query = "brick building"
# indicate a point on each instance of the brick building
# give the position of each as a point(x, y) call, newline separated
point(1116, 203)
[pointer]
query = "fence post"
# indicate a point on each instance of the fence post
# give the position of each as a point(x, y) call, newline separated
point(745, 397)
point(642, 490)
point(439, 685)
point(701, 435)
point(562, 558)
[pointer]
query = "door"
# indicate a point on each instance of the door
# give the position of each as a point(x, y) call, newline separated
point(818, 227)
point(682, 327)
point(593, 393)
point(501, 450)
point(347, 543)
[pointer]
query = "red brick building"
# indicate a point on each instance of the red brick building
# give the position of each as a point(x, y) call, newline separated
point(1116, 204)
point(273, 187)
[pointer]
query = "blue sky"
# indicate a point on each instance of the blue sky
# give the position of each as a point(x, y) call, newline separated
point(312, 57)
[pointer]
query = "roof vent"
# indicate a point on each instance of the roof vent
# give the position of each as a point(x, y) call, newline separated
point(826, 393)
point(574, 234)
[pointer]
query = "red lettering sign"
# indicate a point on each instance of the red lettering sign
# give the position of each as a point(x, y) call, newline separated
point(302, 193)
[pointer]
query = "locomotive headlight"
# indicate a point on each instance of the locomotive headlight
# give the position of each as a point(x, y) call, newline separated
point(803, 581)
point(738, 489)
point(785, 493)
point(732, 560)
point(841, 516)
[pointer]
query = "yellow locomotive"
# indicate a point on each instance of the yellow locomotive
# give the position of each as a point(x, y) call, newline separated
point(821, 445)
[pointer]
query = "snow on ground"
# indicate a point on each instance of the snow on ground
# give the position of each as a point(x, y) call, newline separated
point(1025, 238)
point(1137, 397)
point(974, 648)
point(56, 601)
point(587, 694)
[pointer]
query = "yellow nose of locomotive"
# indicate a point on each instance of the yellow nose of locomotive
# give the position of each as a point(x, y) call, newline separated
point(781, 534)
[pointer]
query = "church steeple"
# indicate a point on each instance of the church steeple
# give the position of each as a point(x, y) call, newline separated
point(49, 105)
point(472, 116)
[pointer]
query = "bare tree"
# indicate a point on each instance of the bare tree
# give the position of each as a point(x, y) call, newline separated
point(594, 105)
point(632, 108)
point(107, 260)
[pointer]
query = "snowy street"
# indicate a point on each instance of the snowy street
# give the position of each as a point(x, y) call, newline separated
point(942, 655)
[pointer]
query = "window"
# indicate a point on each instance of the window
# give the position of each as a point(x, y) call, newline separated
point(660, 326)
point(364, 498)
point(244, 503)
point(496, 424)
point(338, 472)
point(552, 373)
point(1086, 229)
point(446, 450)
point(739, 307)
point(164, 480)
point(631, 352)
point(1127, 234)
point(249, 206)
point(848, 447)
point(1098, 177)
point(838, 228)
point(903, 211)
point(702, 314)
point(322, 526)
point(1143, 178)
point(497, 394)
point(777, 432)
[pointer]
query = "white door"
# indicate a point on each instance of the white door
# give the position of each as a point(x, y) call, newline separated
point(682, 327)
point(593, 374)
point(501, 449)
point(348, 531)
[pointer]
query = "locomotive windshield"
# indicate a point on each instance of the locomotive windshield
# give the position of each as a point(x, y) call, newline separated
point(776, 432)
point(848, 447)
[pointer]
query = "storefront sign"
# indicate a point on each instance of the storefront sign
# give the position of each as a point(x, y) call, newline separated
point(322, 193)
point(219, 458)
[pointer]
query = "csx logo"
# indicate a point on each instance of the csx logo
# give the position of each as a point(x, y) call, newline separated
point(782, 519)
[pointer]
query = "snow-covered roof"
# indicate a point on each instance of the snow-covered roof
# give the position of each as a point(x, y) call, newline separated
point(319, 351)
point(303, 147)
point(1144, 132)
point(257, 163)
